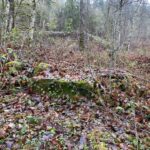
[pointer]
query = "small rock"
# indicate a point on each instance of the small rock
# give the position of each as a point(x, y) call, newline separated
point(40, 105)
point(82, 141)
point(9, 144)
point(47, 136)
point(11, 125)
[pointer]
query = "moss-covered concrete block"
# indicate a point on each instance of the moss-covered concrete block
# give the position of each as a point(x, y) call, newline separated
point(59, 88)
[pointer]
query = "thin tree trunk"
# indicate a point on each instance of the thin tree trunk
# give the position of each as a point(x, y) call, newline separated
point(7, 15)
point(120, 25)
point(32, 23)
point(107, 23)
point(81, 38)
point(88, 6)
point(2, 29)
point(3, 4)
point(0, 36)
point(11, 15)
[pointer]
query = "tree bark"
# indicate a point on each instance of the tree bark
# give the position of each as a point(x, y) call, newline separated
point(32, 23)
point(120, 25)
point(107, 22)
point(2, 29)
point(81, 34)
point(11, 15)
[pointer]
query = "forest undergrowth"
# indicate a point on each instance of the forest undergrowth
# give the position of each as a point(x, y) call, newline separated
point(115, 118)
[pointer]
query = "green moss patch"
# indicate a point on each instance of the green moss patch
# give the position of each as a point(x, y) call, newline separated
point(16, 64)
point(41, 67)
point(58, 88)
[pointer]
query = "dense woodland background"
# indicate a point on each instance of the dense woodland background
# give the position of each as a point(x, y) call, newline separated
point(123, 23)
point(74, 74)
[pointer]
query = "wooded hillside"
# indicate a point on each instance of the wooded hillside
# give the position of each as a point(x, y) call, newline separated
point(74, 75)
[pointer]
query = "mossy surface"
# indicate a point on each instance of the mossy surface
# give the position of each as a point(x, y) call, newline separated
point(15, 64)
point(41, 67)
point(59, 88)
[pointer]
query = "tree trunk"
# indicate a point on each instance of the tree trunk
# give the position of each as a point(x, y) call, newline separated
point(32, 23)
point(11, 15)
point(81, 38)
point(108, 23)
point(120, 25)
point(88, 7)
point(2, 29)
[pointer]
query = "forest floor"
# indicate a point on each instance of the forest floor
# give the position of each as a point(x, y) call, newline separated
point(117, 120)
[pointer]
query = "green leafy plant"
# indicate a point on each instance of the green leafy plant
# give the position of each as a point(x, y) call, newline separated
point(33, 120)
point(98, 139)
